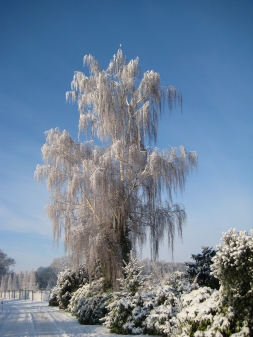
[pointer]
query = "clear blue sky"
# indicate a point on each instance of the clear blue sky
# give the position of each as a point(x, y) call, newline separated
point(203, 47)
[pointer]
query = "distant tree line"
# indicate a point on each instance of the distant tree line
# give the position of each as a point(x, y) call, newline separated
point(42, 278)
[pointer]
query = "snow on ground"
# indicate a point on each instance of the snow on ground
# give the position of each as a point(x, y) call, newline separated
point(19, 318)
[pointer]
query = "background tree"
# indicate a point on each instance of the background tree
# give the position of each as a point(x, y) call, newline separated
point(106, 199)
point(15, 282)
point(4, 282)
point(5, 263)
point(33, 281)
point(10, 281)
point(20, 279)
point(200, 270)
point(46, 277)
point(25, 281)
point(60, 264)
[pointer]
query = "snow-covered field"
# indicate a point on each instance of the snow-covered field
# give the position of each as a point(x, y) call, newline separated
point(19, 318)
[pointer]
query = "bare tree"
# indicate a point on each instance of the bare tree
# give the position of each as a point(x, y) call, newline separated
point(107, 198)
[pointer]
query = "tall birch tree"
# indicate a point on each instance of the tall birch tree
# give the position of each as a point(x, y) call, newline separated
point(106, 199)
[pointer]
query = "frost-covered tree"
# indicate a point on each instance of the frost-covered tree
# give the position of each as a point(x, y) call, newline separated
point(20, 279)
point(107, 198)
point(15, 282)
point(199, 271)
point(25, 281)
point(32, 281)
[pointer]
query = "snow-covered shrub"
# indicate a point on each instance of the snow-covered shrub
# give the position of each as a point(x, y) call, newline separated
point(138, 313)
point(92, 309)
point(204, 314)
point(161, 320)
point(89, 303)
point(53, 300)
point(87, 290)
point(133, 278)
point(67, 283)
point(127, 314)
point(233, 266)
point(199, 271)
point(166, 304)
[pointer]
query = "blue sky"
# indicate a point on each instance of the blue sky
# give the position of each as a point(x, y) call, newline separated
point(203, 47)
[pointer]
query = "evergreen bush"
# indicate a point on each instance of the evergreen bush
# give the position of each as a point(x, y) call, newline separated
point(199, 271)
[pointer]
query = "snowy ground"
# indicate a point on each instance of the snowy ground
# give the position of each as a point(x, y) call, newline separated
point(19, 318)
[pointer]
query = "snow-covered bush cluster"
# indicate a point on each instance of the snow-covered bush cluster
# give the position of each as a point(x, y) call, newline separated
point(172, 303)
point(152, 310)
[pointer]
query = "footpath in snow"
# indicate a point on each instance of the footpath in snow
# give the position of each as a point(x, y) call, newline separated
point(19, 318)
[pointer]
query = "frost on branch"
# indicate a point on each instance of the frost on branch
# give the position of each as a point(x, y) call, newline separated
point(106, 199)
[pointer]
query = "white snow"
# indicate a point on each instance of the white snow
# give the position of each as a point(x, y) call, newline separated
point(19, 318)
